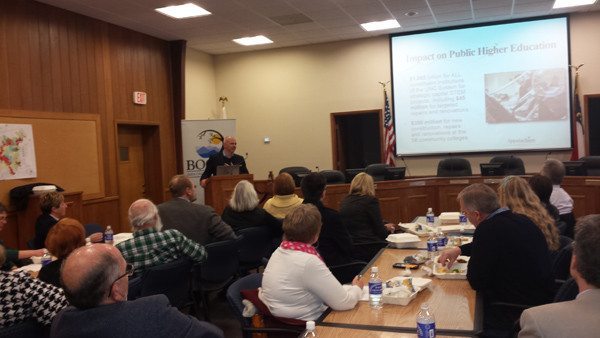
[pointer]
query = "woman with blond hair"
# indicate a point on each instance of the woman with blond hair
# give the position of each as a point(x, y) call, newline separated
point(362, 217)
point(64, 237)
point(284, 199)
point(515, 193)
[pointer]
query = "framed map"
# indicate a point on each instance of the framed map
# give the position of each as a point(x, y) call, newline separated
point(17, 153)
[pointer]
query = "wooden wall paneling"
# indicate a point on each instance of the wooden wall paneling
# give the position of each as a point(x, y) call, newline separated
point(35, 65)
point(105, 212)
point(4, 78)
point(55, 62)
point(45, 70)
point(334, 194)
point(447, 198)
point(152, 155)
point(416, 201)
point(391, 209)
point(10, 233)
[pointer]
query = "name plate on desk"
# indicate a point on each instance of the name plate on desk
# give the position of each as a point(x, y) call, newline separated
point(417, 183)
point(491, 181)
point(459, 181)
point(592, 182)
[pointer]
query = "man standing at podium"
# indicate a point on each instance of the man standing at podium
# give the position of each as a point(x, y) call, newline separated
point(226, 156)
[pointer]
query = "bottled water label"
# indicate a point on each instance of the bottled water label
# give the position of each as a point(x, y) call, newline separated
point(108, 237)
point(430, 218)
point(432, 246)
point(463, 219)
point(426, 330)
point(442, 241)
point(375, 288)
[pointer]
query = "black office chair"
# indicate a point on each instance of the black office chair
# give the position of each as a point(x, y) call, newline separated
point(592, 165)
point(234, 298)
point(216, 273)
point(333, 176)
point(377, 171)
point(351, 173)
point(561, 259)
point(569, 224)
point(92, 228)
point(297, 173)
point(568, 291)
point(454, 166)
point(254, 247)
point(172, 279)
point(345, 273)
point(512, 165)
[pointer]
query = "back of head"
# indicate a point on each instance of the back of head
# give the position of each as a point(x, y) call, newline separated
point(64, 237)
point(2, 255)
point(479, 197)
point(303, 224)
point(542, 186)
point(284, 184)
point(516, 194)
point(244, 197)
point(178, 184)
point(143, 214)
point(554, 170)
point(88, 274)
point(587, 250)
point(312, 186)
point(2, 208)
point(50, 200)
point(362, 184)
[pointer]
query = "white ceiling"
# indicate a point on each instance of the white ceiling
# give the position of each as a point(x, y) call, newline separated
point(330, 20)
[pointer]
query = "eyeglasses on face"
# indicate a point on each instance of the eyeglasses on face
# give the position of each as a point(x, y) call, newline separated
point(129, 269)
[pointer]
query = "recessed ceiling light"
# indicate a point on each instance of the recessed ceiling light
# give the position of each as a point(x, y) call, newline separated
point(253, 40)
point(380, 25)
point(572, 3)
point(411, 13)
point(188, 10)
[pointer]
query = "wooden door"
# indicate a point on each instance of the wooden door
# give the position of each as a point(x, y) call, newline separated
point(132, 185)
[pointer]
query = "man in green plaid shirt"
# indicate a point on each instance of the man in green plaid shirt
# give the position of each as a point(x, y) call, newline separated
point(150, 246)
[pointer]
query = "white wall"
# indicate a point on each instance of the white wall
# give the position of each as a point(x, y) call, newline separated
point(288, 94)
point(200, 96)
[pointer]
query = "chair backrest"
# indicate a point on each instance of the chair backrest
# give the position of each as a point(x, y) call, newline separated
point(351, 173)
point(135, 288)
point(513, 165)
point(592, 165)
point(333, 176)
point(92, 228)
point(297, 173)
point(234, 296)
point(568, 291)
point(172, 279)
point(254, 244)
point(454, 166)
point(377, 170)
point(345, 273)
point(222, 262)
point(561, 262)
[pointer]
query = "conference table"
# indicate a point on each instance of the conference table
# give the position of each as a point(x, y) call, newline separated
point(457, 308)
point(340, 332)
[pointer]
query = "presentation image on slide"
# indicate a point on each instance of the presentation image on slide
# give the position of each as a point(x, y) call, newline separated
point(495, 87)
point(525, 96)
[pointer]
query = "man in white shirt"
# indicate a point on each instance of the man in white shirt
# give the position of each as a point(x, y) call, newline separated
point(579, 317)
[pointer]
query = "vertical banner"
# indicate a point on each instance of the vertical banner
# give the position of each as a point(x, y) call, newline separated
point(200, 140)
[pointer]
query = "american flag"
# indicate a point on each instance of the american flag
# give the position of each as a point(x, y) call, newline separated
point(388, 126)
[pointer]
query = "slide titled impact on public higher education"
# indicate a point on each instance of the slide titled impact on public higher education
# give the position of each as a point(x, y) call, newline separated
point(488, 88)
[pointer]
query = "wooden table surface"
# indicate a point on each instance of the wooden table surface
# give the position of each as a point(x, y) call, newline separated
point(453, 302)
point(339, 332)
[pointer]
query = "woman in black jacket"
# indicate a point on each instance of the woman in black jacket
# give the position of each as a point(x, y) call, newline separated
point(362, 217)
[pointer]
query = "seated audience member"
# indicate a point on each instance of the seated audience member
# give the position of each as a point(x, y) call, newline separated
point(579, 317)
point(361, 215)
point(296, 282)
point(64, 237)
point(542, 186)
point(23, 297)
point(509, 257)
point(284, 199)
point(150, 246)
point(555, 171)
point(514, 193)
point(96, 282)
point(13, 256)
point(243, 210)
point(53, 208)
point(197, 222)
point(335, 244)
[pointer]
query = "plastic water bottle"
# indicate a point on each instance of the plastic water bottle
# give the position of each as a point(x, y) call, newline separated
point(432, 245)
point(310, 330)
point(46, 259)
point(425, 322)
point(108, 235)
point(375, 289)
point(463, 221)
point(430, 216)
point(88, 241)
point(442, 239)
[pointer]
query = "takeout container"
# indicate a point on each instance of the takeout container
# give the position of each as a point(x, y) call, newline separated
point(449, 218)
point(412, 228)
point(42, 189)
point(388, 296)
point(403, 240)
point(451, 275)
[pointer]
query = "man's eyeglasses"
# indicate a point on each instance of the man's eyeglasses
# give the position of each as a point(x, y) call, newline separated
point(129, 269)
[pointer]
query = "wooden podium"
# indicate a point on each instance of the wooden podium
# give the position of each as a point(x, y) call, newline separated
point(219, 188)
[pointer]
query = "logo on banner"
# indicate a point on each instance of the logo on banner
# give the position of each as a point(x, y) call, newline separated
point(209, 143)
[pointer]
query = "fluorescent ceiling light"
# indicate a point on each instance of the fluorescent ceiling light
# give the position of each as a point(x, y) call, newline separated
point(572, 3)
point(253, 40)
point(188, 10)
point(380, 25)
